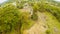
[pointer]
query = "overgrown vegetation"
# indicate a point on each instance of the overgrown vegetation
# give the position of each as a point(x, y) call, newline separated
point(9, 18)
point(12, 18)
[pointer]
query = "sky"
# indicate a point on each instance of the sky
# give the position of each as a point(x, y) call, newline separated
point(1, 1)
point(57, 0)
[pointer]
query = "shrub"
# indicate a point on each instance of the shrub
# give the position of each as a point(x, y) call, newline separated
point(34, 17)
point(47, 31)
point(9, 17)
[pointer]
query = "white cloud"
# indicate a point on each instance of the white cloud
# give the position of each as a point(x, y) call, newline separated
point(1, 1)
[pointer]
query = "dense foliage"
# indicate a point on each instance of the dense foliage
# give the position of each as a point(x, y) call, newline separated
point(9, 17)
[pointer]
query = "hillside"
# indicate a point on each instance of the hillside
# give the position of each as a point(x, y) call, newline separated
point(30, 17)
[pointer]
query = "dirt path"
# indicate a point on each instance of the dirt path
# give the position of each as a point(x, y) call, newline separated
point(39, 27)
